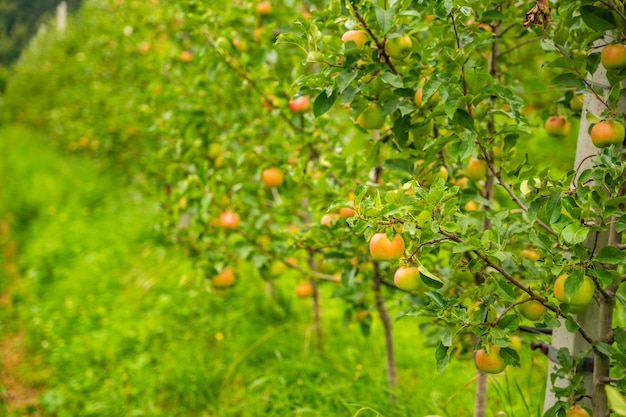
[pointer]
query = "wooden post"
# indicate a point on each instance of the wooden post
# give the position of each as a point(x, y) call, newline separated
point(61, 17)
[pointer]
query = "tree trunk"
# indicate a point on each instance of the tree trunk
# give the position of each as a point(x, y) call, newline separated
point(392, 376)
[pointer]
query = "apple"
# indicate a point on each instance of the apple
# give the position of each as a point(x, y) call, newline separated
point(264, 8)
point(576, 411)
point(186, 56)
point(532, 309)
point(526, 187)
point(299, 104)
point(399, 47)
point(359, 37)
point(489, 314)
point(606, 133)
point(229, 219)
point(215, 150)
point(240, 44)
point(328, 219)
point(346, 212)
point(490, 361)
point(407, 278)
point(476, 169)
point(304, 290)
point(516, 343)
point(432, 102)
point(384, 249)
point(360, 315)
point(272, 177)
point(529, 254)
point(471, 206)
point(557, 126)
point(276, 268)
point(145, 47)
point(225, 278)
point(614, 56)
point(371, 118)
point(581, 297)
point(576, 103)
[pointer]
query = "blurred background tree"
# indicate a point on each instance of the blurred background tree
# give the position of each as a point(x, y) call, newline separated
point(20, 20)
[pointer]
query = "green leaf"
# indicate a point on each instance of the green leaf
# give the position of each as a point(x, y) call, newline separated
point(399, 164)
point(290, 38)
point(443, 8)
point(597, 18)
point(605, 348)
point(510, 321)
point(573, 282)
point(611, 255)
point(323, 103)
point(345, 78)
point(441, 355)
point(392, 79)
point(567, 79)
point(510, 356)
point(571, 325)
point(462, 118)
point(401, 129)
point(385, 19)
point(617, 402)
point(429, 278)
point(574, 233)
point(337, 204)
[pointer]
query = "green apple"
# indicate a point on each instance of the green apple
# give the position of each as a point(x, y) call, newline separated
point(371, 118)
point(399, 47)
point(407, 278)
point(531, 309)
point(580, 299)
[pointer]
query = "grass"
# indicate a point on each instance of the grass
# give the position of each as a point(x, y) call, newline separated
point(117, 324)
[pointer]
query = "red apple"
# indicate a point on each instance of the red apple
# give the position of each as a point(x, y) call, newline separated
point(407, 278)
point(272, 177)
point(229, 219)
point(576, 411)
point(264, 7)
point(557, 126)
point(606, 133)
point(384, 249)
point(300, 104)
point(359, 37)
point(614, 56)
point(225, 278)
point(489, 362)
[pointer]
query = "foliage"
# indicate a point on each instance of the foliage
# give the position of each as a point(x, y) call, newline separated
point(19, 21)
point(193, 101)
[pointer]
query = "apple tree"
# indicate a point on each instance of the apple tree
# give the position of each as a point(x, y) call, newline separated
point(441, 89)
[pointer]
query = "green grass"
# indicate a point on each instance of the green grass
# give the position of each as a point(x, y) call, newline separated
point(124, 326)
